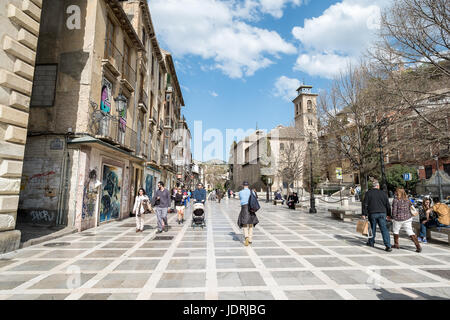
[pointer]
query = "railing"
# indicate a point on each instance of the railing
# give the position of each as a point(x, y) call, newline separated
point(113, 54)
point(129, 74)
point(143, 98)
point(141, 149)
point(112, 130)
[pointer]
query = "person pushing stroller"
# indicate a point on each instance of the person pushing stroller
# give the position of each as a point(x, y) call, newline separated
point(199, 199)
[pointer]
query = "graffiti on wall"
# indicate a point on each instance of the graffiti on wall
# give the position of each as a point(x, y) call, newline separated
point(111, 193)
point(42, 216)
point(105, 103)
point(89, 196)
point(36, 180)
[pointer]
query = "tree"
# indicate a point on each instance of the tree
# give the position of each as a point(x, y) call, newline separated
point(291, 163)
point(413, 62)
point(394, 176)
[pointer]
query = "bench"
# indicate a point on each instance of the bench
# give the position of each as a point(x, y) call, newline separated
point(277, 202)
point(345, 215)
point(416, 227)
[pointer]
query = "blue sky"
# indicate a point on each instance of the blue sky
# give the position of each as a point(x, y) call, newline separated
point(240, 61)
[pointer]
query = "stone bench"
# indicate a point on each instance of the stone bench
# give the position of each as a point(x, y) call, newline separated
point(416, 227)
point(345, 215)
point(277, 202)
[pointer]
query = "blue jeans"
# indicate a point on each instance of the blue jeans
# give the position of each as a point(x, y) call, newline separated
point(380, 219)
point(430, 224)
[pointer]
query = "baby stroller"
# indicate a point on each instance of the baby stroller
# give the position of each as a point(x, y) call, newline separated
point(198, 215)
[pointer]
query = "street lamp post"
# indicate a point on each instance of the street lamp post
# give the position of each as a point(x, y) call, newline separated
point(383, 169)
point(438, 176)
point(312, 199)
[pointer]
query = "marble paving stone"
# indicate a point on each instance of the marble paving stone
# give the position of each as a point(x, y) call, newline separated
point(178, 296)
point(62, 281)
point(106, 254)
point(231, 252)
point(142, 253)
point(228, 244)
point(443, 273)
point(109, 296)
point(234, 263)
point(239, 279)
point(246, 295)
point(332, 243)
point(156, 244)
point(327, 262)
point(38, 297)
point(378, 294)
point(137, 264)
point(130, 239)
point(61, 254)
point(22, 254)
point(372, 261)
point(264, 244)
point(182, 280)
point(310, 252)
point(313, 295)
point(86, 265)
point(281, 263)
point(81, 245)
point(11, 281)
point(4, 262)
point(37, 265)
point(190, 253)
point(119, 245)
point(404, 276)
point(192, 245)
point(348, 276)
point(298, 244)
point(123, 280)
point(445, 258)
point(436, 293)
point(418, 260)
point(350, 251)
point(271, 252)
point(186, 264)
point(295, 278)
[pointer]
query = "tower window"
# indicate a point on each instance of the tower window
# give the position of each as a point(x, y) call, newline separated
point(281, 146)
point(310, 122)
point(309, 105)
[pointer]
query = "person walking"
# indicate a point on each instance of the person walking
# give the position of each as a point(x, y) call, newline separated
point(139, 208)
point(378, 210)
point(199, 194)
point(179, 205)
point(246, 220)
point(219, 195)
point(401, 214)
point(161, 202)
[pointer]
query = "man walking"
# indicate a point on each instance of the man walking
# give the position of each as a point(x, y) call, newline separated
point(161, 202)
point(376, 206)
point(247, 219)
point(199, 194)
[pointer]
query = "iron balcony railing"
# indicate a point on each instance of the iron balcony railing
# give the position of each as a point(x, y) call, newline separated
point(113, 55)
point(141, 149)
point(129, 74)
point(113, 130)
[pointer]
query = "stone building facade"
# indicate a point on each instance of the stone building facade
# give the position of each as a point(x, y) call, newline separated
point(20, 21)
point(102, 96)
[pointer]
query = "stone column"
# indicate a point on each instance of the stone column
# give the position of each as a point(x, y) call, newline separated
point(19, 20)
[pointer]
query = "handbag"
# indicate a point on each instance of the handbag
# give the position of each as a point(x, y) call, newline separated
point(362, 226)
point(253, 203)
point(414, 211)
point(147, 207)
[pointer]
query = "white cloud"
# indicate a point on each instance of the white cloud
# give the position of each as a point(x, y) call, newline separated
point(339, 36)
point(214, 94)
point(219, 30)
point(286, 88)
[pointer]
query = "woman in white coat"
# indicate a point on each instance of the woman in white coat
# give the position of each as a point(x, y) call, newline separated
point(139, 209)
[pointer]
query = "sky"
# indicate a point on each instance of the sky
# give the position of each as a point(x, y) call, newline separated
point(239, 62)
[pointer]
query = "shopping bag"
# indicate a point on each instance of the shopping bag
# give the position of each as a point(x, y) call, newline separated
point(363, 227)
point(414, 211)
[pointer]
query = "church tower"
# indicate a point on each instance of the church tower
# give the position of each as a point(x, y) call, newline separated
point(305, 106)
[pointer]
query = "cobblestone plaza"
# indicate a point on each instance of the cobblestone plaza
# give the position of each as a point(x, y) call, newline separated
point(294, 255)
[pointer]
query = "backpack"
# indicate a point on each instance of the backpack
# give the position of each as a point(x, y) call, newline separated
point(253, 203)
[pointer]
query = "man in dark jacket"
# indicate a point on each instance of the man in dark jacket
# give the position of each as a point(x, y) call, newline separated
point(376, 206)
point(199, 194)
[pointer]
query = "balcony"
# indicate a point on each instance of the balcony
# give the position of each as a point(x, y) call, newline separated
point(113, 131)
point(142, 149)
point(161, 125)
point(128, 76)
point(166, 160)
point(113, 58)
point(143, 100)
point(167, 123)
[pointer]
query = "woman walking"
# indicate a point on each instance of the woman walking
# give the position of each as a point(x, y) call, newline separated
point(140, 205)
point(401, 214)
point(247, 219)
point(179, 205)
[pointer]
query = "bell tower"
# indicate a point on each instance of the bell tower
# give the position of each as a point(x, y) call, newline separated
point(305, 108)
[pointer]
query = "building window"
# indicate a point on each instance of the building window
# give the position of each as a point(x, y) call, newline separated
point(428, 172)
point(281, 146)
point(309, 105)
point(44, 85)
point(310, 122)
point(447, 168)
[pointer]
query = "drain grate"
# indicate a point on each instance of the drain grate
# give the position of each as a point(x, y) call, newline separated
point(163, 238)
point(57, 244)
